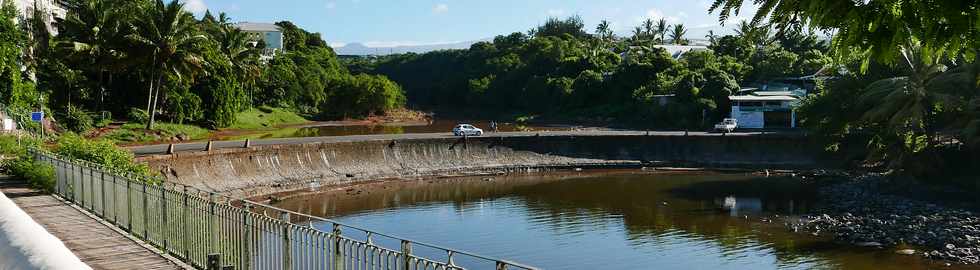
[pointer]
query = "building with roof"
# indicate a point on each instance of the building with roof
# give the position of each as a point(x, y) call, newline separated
point(50, 9)
point(765, 109)
point(268, 33)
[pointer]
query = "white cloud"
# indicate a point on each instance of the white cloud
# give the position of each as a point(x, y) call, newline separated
point(656, 14)
point(440, 8)
point(195, 6)
point(556, 12)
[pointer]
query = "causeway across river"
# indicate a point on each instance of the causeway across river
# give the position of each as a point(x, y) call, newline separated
point(200, 146)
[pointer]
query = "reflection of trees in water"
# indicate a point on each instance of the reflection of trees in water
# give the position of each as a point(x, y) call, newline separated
point(633, 204)
point(690, 211)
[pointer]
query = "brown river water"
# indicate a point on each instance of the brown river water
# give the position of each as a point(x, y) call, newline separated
point(606, 220)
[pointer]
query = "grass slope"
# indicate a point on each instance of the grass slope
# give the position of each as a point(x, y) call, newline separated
point(265, 118)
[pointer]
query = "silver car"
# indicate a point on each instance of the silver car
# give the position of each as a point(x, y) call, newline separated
point(467, 130)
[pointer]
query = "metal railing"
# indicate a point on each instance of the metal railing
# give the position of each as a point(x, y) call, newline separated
point(210, 231)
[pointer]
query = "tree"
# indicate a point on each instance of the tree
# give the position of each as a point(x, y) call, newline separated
point(555, 27)
point(661, 30)
point(756, 33)
point(92, 34)
point(711, 37)
point(648, 29)
point(604, 31)
point(167, 32)
point(876, 28)
point(242, 57)
point(677, 34)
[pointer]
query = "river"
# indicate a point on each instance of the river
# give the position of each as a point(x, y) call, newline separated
point(606, 220)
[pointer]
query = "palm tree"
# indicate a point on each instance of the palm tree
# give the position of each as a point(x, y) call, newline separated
point(902, 105)
point(91, 33)
point(677, 34)
point(169, 35)
point(757, 33)
point(648, 27)
point(604, 30)
point(242, 56)
point(711, 37)
point(661, 29)
point(637, 33)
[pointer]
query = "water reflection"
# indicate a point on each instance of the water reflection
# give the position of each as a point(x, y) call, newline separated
point(607, 221)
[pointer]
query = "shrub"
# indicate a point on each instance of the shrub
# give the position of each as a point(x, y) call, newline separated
point(38, 174)
point(17, 162)
point(138, 115)
point(102, 152)
point(78, 120)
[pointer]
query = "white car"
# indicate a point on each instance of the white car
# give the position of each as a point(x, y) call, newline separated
point(467, 130)
point(727, 125)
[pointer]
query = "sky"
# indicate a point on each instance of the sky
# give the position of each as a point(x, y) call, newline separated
point(386, 23)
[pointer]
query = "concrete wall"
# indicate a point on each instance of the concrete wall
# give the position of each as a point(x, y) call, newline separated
point(267, 169)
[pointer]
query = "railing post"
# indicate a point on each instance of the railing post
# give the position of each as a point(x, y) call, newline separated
point(91, 189)
point(163, 216)
point(287, 255)
point(81, 182)
point(102, 184)
point(212, 223)
point(115, 201)
point(407, 253)
point(186, 226)
point(338, 253)
point(246, 233)
point(146, 214)
point(501, 266)
point(214, 261)
point(129, 206)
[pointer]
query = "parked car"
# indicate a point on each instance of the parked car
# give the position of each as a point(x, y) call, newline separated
point(467, 130)
point(727, 125)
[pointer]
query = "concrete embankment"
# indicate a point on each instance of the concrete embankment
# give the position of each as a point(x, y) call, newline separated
point(275, 168)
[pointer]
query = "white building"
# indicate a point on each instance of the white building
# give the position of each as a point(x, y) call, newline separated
point(269, 33)
point(51, 9)
point(765, 109)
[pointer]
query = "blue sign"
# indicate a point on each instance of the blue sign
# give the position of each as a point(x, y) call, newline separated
point(37, 116)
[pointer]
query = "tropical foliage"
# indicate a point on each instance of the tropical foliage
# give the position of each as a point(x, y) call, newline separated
point(560, 70)
point(114, 57)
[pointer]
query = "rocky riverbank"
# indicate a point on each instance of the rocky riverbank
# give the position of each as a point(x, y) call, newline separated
point(857, 212)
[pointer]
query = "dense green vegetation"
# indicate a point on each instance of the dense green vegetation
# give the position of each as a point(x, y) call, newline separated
point(915, 104)
point(560, 70)
point(149, 60)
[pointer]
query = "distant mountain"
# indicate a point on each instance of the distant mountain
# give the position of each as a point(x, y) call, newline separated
point(361, 49)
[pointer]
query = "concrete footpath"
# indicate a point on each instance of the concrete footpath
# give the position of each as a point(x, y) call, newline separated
point(94, 242)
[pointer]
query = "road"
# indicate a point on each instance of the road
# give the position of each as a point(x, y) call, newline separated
point(201, 146)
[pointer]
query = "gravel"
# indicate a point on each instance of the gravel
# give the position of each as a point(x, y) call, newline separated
point(857, 212)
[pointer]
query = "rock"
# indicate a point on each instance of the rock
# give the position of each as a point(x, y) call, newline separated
point(905, 251)
point(950, 246)
point(183, 137)
point(868, 244)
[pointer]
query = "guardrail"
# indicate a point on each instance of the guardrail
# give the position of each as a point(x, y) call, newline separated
point(210, 231)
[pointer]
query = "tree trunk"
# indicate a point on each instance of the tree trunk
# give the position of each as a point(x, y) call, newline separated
point(149, 96)
point(156, 96)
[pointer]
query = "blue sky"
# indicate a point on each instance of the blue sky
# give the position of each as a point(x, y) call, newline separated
point(380, 23)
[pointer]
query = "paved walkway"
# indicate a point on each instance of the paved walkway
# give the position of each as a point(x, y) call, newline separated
point(95, 243)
